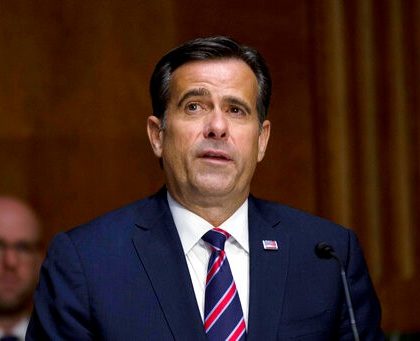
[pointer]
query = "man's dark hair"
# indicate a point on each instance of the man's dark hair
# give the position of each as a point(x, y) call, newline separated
point(211, 48)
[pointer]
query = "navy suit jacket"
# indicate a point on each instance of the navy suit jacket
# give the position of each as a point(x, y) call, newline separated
point(124, 276)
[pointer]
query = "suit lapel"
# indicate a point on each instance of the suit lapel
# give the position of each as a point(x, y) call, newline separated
point(268, 273)
point(160, 251)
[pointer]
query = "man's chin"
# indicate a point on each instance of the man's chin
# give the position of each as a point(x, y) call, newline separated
point(13, 305)
point(215, 189)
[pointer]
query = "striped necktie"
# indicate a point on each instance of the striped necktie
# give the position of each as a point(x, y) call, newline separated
point(223, 316)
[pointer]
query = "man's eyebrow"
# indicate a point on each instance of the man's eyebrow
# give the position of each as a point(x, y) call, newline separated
point(239, 102)
point(193, 93)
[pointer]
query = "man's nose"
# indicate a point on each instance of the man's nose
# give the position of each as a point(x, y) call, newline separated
point(217, 125)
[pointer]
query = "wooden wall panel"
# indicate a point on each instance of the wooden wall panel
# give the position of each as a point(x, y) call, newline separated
point(74, 101)
point(366, 116)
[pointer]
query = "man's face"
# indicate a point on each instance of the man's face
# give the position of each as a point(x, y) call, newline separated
point(20, 256)
point(212, 139)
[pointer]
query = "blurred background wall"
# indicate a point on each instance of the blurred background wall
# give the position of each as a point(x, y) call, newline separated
point(345, 112)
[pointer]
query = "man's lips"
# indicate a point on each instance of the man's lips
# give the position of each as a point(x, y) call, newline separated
point(215, 155)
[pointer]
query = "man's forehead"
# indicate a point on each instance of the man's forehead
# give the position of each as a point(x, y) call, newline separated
point(17, 220)
point(19, 233)
point(202, 78)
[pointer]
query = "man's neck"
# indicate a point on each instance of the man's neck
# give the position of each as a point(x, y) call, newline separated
point(215, 210)
point(8, 322)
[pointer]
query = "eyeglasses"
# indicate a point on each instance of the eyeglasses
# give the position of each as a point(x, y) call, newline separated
point(23, 250)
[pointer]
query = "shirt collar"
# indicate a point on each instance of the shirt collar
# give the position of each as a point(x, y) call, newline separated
point(192, 227)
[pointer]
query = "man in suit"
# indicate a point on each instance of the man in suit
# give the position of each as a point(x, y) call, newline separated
point(202, 258)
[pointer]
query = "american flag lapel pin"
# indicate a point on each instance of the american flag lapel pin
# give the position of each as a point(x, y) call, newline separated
point(270, 245)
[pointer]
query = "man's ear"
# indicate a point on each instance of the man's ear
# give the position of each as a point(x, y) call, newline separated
point(155, 134)
point(263, 139)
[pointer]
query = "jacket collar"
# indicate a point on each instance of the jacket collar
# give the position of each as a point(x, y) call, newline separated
point(268, 270)
point(160, 252)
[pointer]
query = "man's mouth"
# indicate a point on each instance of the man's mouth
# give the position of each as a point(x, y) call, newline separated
point(216, 155)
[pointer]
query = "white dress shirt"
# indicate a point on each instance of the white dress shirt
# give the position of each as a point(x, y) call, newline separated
point(192, 227)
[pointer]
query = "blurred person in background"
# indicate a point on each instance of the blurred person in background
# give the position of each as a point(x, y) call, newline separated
point(20, 259)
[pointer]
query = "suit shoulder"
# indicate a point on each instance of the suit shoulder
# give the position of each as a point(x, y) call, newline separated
point(117, 223)
point(294, 219)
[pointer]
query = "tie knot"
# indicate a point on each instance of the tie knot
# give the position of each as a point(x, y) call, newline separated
point(216, 238)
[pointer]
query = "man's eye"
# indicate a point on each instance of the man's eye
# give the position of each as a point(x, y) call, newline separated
point(193, 107)
point(23, 247)
point(237, 111)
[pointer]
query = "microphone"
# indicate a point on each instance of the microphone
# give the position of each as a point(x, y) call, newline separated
point(326, 251)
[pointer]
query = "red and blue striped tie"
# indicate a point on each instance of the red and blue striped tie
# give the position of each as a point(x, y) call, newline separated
point(223, 316)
